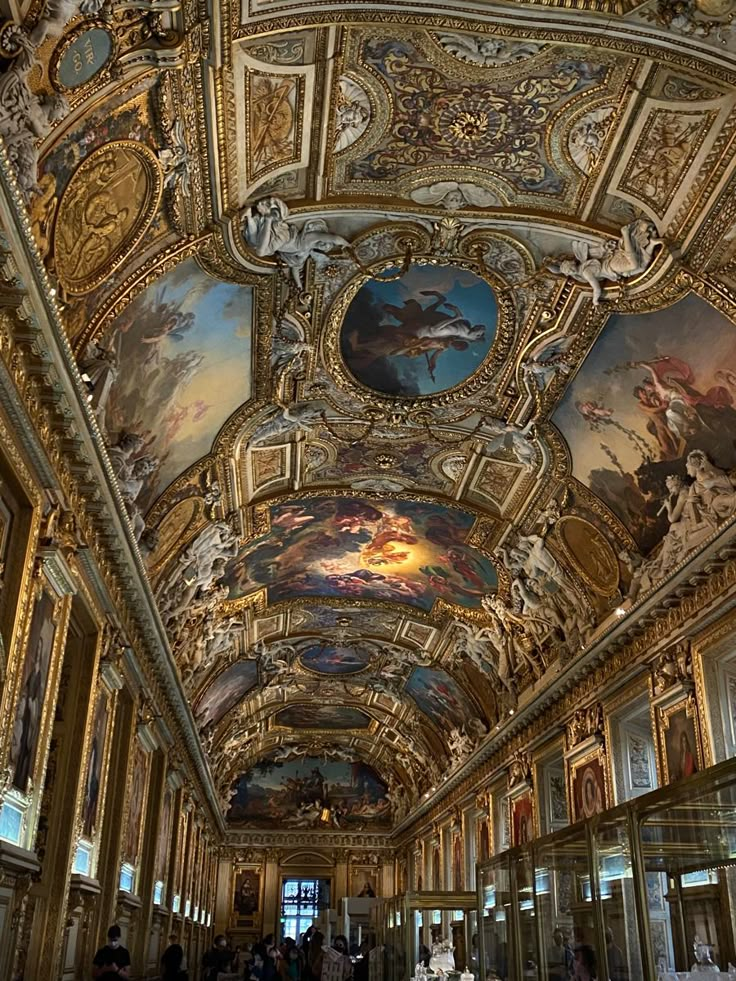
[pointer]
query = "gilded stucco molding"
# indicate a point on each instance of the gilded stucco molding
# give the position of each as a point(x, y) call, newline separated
point(616, 659)
point(54, 418)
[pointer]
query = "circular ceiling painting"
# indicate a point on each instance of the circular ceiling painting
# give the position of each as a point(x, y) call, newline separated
point(420, 334)
point(331, 659)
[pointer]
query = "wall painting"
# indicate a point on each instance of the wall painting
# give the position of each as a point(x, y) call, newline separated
point(310, 793)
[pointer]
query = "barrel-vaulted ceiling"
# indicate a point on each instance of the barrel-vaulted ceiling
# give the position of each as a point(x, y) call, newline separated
point(410, 338)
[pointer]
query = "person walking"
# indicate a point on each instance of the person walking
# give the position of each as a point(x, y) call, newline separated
point(173, 963)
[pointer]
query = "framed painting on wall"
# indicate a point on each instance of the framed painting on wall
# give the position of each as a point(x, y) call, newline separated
point(136, 805)
point(588, 784)
point(484, 840)
point(36, 672)
point(680, 743)
point(164, 837)
point(20, 514)
point(95, 762)
point(522, 820)
point(247, 893)
point(457, 862)
point(364, 883)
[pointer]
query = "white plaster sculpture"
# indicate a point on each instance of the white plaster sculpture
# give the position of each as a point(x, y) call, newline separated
point(452, 195)
point(713, 489)
point(276, 657)
point(397, 798)
point(515, 647)
point(300, 417)
point(58, 13)
point(540, 371)
point(479, 49)
point(121, 452)
point(175, 159)
point(290, 349)
point(379, 485)
point(100, 366)
point(519, 440)
point(587, 137)
point(474, 642)
point(186, 589)
point(694, 511)
point(25, 118)
point(132, 480)
point(551, 514)
point(270, 230)
point(352, 113)
point(531, 556)
point(459, 744)
point(543, 590)
point(610, 261)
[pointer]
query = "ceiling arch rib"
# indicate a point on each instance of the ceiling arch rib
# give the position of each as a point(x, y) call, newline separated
point(396, 343)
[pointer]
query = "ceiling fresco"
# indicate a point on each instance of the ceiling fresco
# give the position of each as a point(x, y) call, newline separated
point(225, 691)
point(310, 716)
point(409, 339)
point(396, 551)
point(334, 659)
point(186, 343)
point(648, 394)
point(439, 696)
point(422, 333)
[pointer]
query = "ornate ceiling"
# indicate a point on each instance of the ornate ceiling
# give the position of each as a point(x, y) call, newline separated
point(404, 333)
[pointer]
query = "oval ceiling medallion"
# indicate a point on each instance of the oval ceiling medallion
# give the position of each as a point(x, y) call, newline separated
point(589, 553)
point(425, 332)
point(81, 56)
point(106, 208)
point(334, 659)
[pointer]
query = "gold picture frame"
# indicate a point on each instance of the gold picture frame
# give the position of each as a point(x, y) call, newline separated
point(680, 744)
point(589, 789)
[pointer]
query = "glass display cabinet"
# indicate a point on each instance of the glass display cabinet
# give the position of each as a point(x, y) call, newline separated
point(407, 926)
point(387, 960)
point(646, 890)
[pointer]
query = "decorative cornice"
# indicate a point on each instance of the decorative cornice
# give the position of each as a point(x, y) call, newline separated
point(59, 433)
point(316, 839)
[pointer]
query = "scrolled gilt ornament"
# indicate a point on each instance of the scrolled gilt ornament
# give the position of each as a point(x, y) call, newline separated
point(519, 771)
point(587, 723)
point(674, 666)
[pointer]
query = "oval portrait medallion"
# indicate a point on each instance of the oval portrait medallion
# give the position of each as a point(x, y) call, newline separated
point(423, 333)
point(589, 554)
point(105, 210)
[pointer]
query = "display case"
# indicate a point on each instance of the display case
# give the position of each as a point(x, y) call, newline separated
point(407, 926)
point(645, 890)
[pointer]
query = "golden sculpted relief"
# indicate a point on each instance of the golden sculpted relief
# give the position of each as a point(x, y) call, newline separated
point(273, 131)
point(104, 212)
point(460, 117)
point(589, 554)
